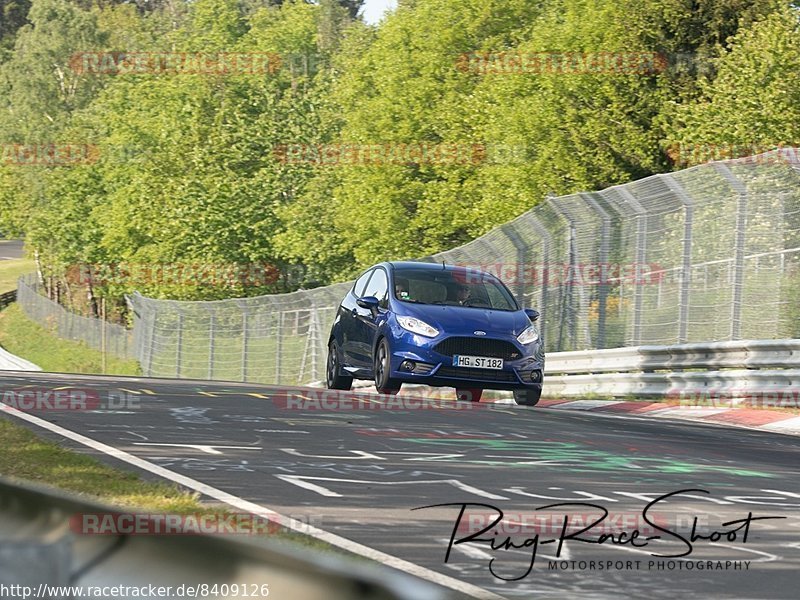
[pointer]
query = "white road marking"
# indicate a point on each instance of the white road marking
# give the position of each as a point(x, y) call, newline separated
point(282, 431)
point(262, 511)
point(586, 404)
point(303, 482)
point(470, 551)
point(359, 455)
point(768, 556)
point(202, 447)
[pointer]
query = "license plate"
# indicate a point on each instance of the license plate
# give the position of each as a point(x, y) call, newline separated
point(481, 362)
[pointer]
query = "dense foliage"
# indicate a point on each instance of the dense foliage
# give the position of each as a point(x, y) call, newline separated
point(267, 166)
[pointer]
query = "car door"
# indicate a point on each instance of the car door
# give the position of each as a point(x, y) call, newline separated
point(366, 324)
point(348, 317)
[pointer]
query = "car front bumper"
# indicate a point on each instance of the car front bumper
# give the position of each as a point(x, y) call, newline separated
point(435, 369)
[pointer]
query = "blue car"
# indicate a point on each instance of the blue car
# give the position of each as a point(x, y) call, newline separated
point(438, 325)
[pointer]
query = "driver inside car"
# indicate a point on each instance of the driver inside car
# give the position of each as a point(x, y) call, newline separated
point(462, 294)
point(401, 290)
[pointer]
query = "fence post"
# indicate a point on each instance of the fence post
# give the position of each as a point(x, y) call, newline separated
point(103, 335)
point(245, 339)
point(738, 251)
point(641, 258)
point(686, 269)
point(547, 240)
point(144, 323)
point(211, 332)
point(313, 332)
point(602, 290)
point(152, 318)
point(522, 259)
point(179, 349)
point(278, 347)
point(569, 315)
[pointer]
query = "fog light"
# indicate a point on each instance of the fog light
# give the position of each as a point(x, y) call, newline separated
point(536, 376)
point(407, 365)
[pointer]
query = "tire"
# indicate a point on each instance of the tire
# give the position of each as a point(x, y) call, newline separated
point(381, 369)
point(333, 377)
point(528, 397)
point(469, 394)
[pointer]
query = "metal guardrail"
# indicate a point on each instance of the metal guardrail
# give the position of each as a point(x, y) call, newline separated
point(8, 298)
point(737, 368)
point(40, 547)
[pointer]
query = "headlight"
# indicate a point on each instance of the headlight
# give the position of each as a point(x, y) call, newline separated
point(528, 336)
point(416, 326)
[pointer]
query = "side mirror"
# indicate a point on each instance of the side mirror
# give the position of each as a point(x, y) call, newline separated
point(370, 303)
point(533, 314)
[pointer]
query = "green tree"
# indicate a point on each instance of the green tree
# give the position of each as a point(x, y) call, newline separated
point(400, 85)
point(39, 88)
point(753, 103)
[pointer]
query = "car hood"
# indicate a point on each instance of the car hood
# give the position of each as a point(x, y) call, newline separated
point(459, 320)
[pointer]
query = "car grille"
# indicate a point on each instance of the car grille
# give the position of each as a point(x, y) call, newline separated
point(478, 347)
point(477, 374)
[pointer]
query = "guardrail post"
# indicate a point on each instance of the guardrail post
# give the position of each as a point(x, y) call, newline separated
point(739, 248)
point(686, 270)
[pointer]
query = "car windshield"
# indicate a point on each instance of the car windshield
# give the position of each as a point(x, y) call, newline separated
point(463, 287)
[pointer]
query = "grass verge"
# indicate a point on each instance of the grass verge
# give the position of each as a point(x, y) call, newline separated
point(28, 457)
point(10, 271)
point(21, 336)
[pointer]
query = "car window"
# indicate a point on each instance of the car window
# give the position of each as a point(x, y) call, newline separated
point(452, 288)
point(378, 286)
point(361, 283)
point(496, 295)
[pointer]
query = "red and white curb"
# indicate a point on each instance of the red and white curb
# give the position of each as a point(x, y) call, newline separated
point(753, 418)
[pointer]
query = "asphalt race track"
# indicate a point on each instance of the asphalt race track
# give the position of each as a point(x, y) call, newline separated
point(360, 473)
point(11, 249)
